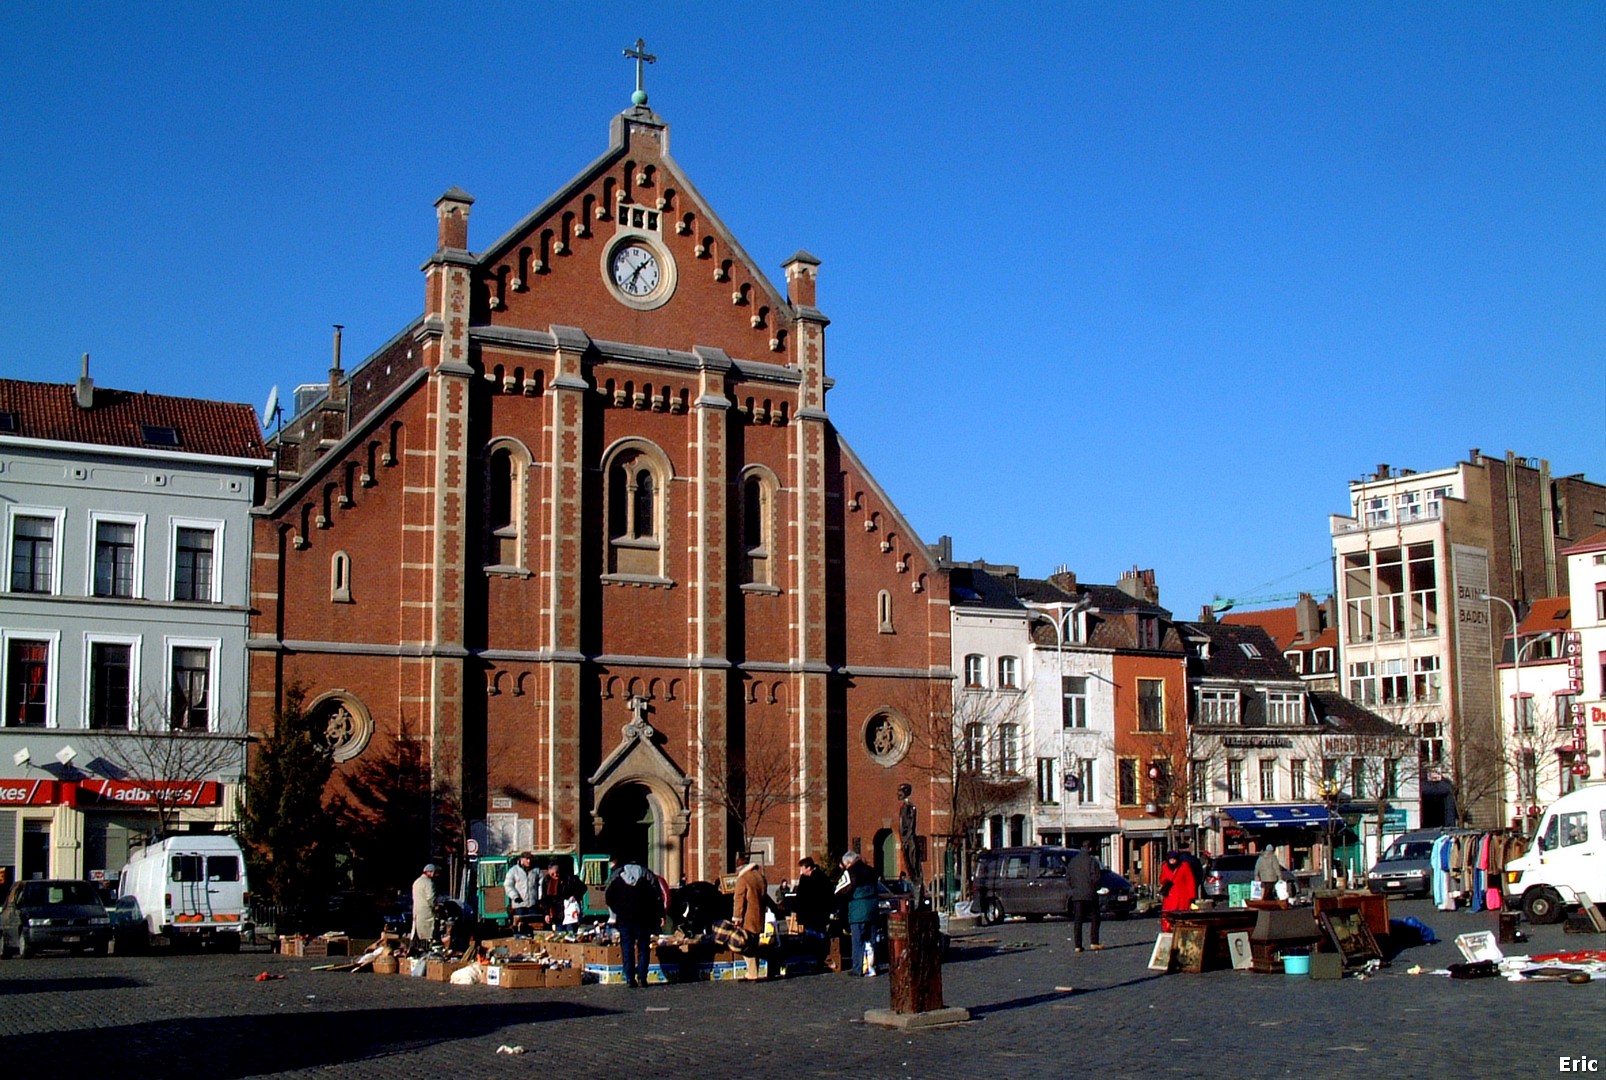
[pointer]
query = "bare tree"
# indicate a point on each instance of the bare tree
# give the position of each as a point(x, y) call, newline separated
point(964, 744)
point(754, 782)
point(166, 762)
point(1531, 756)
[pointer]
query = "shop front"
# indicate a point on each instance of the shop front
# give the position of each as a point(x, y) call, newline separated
point(88, 828)
point(1302, 834)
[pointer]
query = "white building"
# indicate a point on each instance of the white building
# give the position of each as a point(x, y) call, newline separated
point(127, 552)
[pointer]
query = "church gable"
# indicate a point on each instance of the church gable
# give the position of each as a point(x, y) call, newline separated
point(629, 251)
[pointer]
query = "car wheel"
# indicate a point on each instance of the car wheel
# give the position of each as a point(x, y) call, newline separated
point(995, 911)
point(1542, 905)
point(25, 947)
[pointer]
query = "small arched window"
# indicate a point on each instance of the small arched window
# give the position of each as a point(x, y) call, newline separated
point(1008, 673)
point(975, 671)
point(340, 578)
point(883, 610)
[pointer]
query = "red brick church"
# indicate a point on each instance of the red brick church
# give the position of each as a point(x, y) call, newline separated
point(583, 541)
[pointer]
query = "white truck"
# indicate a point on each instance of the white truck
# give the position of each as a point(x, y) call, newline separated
point(184, 890)
point(1568, 858)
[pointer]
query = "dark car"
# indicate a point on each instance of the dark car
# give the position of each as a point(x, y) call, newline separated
point(1405, 868)
point(1031, 881)
point(54, 914)
point(1225, 870)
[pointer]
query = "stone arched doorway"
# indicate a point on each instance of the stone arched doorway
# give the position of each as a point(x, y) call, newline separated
point(630, 825)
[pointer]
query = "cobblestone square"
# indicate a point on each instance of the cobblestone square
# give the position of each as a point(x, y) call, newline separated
point(186, 1015)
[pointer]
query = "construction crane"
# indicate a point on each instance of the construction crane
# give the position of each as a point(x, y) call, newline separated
point(1223, 604)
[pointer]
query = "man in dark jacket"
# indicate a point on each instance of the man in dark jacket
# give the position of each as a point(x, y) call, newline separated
point(1083, 878)
point(812, 902)
point(638, 910)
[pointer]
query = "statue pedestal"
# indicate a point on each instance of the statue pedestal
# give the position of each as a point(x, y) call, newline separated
point(915, 943)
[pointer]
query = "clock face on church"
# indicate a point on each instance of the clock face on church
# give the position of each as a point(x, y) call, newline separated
point(635, 270)
point(641, 274)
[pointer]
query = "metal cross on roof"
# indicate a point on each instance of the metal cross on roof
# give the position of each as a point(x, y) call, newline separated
point(641, 56)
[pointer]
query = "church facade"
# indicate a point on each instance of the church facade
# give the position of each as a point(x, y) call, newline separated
point(582, 541)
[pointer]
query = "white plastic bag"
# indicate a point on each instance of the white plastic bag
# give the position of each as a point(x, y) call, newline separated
point(468, 975)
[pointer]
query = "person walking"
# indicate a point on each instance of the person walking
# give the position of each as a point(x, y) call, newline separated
point(1083, 878)
point(638, 910)
point(522, 886)
point(859, 886)
point(748, 905)
point(424, 905)
point(1269, 872)
point(1178, 887)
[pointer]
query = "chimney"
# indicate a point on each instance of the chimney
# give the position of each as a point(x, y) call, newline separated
point(335, 374)
point(1063, 579)
point(802, 270)
point(1207, 614)
point(84, 395)
point(1307, 618)
point(451, 214)
point(1382, 472)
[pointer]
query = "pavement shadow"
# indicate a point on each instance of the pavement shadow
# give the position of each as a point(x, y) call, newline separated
point(234, 1047)
point(1057, 995)
point(12, 987)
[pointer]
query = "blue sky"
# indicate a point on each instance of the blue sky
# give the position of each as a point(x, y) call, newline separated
point(1110, 285)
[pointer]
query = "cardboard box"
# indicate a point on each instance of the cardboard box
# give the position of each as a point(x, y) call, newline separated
point(600, 955)
point(441, 970)
point(560, 978)
point(515, 976)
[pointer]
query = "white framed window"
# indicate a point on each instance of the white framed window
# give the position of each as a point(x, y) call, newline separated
point(1285, 708)
point(1087, 781)
point(1217, 707)
point(1394, 686)
point(111, 682)
point(975, 671)
point(1296, 779)
point(1425, 678)
point(975, 747)
point(1296, 660)
point(1321, 662)
point(1363, 682)
point(1008, 673)
point(1199, 780)
point(1048, 780)
point(117, 562)
point(197, 547)
point(1249, 649)
point(33, 549)
point(1268, 779)
point(1235, 780)
point(1073, 701)
point(1009, 749)
point(192, 683)
point(28, 677)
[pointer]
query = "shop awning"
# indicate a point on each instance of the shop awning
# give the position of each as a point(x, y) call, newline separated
point(1272, 817)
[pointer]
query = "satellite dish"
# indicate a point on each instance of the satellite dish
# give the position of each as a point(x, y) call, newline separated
point(270, 411)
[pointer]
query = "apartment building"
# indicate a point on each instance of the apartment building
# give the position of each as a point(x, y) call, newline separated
point(1415, 557)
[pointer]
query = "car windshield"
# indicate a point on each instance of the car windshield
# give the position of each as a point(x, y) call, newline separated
point(1415, 849)
point(41, 893)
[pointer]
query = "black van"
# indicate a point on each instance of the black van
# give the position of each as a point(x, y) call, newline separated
point(1031, 881)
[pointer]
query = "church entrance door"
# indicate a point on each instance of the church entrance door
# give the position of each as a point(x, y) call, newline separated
point(631, 827)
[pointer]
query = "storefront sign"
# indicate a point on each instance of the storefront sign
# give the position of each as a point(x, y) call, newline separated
point(27, 792)
point(1257, 742)
point(144, 792)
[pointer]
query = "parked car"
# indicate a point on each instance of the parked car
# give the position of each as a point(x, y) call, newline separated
point(1031, 881)
point(54, 914)
point(1226, 870)
point(1404, 869)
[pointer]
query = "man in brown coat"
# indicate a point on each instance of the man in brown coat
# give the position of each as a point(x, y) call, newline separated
point(747, 909)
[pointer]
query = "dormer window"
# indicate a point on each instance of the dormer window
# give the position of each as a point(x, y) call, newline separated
point(159, 434)
point(1148, 632)
point(1249, 650)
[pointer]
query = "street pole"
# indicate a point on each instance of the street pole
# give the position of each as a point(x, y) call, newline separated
point(1516, 686)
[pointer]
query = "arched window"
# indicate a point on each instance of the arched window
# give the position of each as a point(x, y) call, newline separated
point(340, 578)
point(758, 529)
point(883, 610)
point(975, 671)
point(637, 479)
point(1008, 673)
point(505, 469)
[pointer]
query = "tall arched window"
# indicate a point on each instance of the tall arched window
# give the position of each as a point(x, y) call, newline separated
point(637, 477)
point(505, 468)
point(758, 529)
point(340, 578)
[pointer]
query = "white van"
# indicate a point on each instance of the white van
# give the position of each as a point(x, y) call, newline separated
point(1568, 858)
point(185, 889)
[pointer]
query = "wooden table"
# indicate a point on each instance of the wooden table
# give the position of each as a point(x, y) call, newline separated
point(1217, 925)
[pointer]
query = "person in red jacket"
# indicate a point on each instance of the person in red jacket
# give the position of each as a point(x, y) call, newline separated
point(1179, 887)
